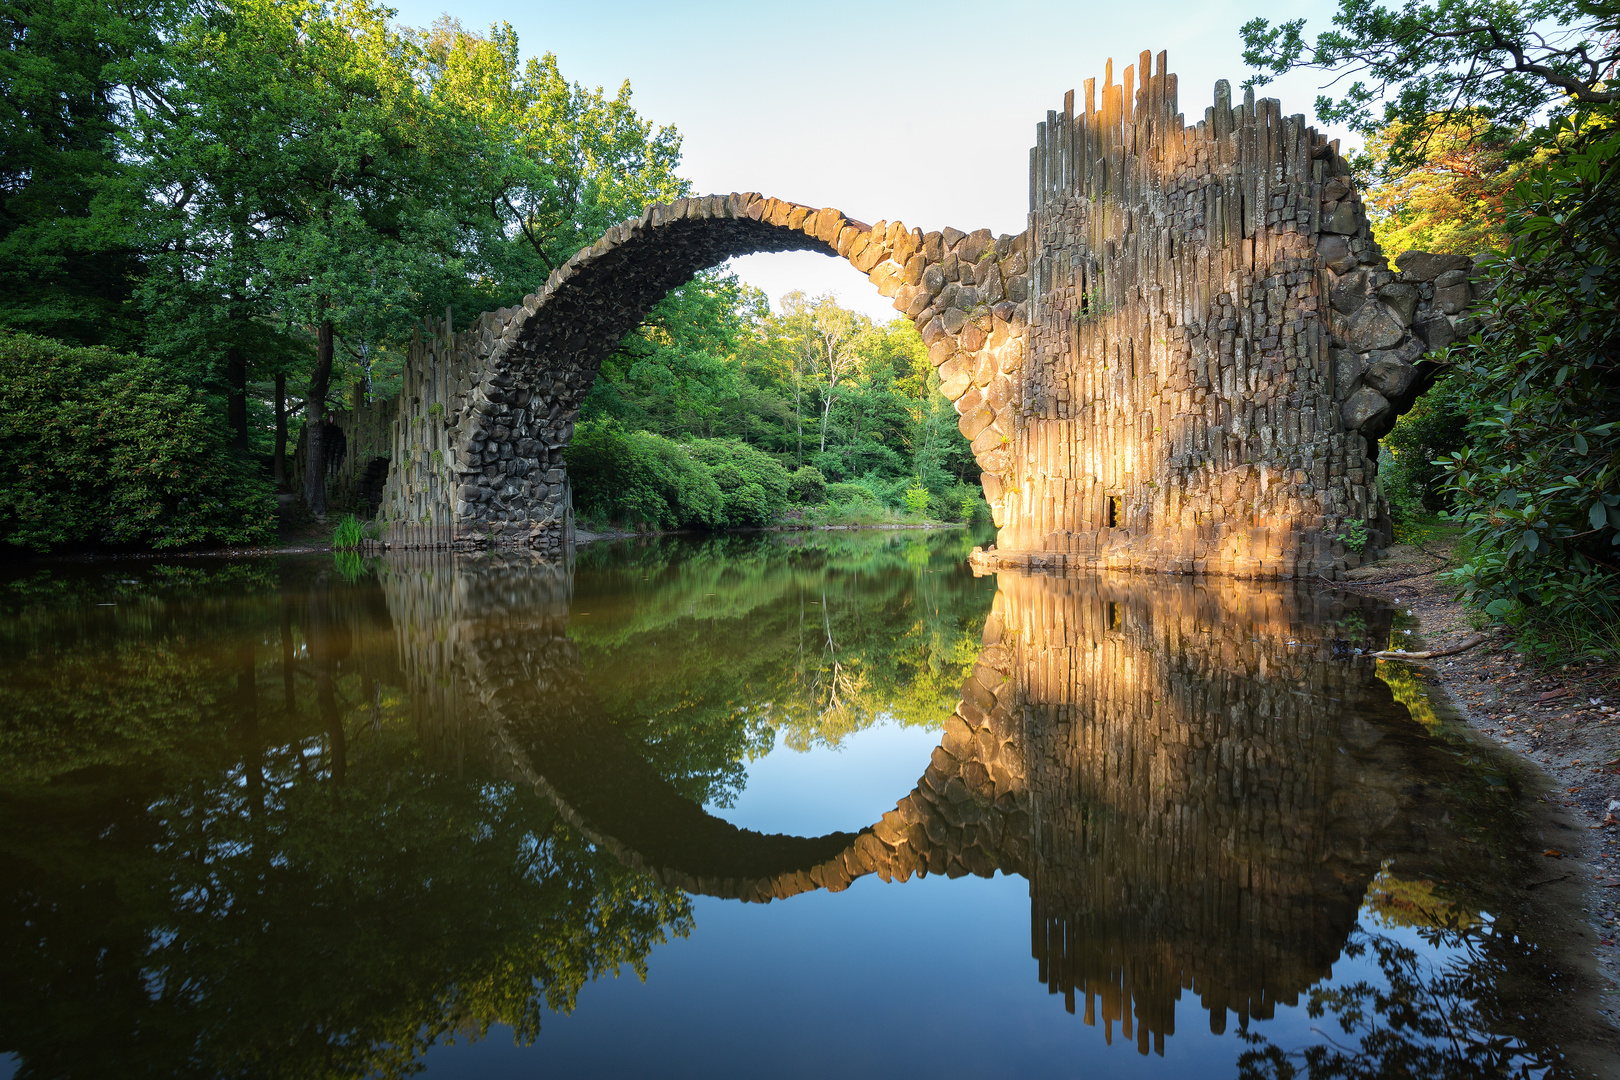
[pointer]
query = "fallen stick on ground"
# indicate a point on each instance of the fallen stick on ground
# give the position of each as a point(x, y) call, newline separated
point(1398, 654)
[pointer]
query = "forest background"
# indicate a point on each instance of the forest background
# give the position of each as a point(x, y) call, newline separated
point(256, 203)
point(220, 219)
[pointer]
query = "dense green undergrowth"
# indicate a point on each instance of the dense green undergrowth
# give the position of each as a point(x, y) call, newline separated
point(643, 480)
point(102, 447)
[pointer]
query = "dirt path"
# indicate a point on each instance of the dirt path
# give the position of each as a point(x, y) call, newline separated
point(1559, 720)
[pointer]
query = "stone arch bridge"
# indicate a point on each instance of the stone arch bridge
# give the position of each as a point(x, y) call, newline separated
point(1199, 784)
point(1183, 363)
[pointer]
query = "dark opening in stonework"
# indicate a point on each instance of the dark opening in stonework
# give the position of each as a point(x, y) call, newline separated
point(1113, 513)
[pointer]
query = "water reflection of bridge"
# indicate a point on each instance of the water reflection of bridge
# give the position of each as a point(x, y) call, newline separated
point(1195, 779)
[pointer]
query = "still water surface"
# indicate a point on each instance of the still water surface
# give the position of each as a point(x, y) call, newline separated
point(799, 806)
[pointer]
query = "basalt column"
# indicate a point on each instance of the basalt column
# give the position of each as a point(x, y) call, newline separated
point(1215, 342)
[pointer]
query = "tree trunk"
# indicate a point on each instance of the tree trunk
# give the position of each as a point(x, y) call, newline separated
point(236, 396)
point(314, 417)
point(281, 432)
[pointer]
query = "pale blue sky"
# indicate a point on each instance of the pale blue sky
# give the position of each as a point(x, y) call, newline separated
point(919, 112)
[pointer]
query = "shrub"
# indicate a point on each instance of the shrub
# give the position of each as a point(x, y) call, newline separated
point(640, 478)
point(916, 498)
point(1412, 478)
point(753, 484)
point(808, 486)
point(1540, 486)
point(103, 447)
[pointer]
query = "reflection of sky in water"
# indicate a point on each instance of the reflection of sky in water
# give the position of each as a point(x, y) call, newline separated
point(929, 978)
point(824, 790)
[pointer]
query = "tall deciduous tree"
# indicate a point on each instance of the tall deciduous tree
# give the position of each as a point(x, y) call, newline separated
point(1427, 62)
point(561, 163)
point(299, 170)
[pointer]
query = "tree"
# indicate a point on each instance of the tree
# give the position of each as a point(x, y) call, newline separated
point(1540, 484)
point(1452, 199)
point(1430, 61)
point(65, 271)
point(298, 169)
point(823, 335)
point(560, 164)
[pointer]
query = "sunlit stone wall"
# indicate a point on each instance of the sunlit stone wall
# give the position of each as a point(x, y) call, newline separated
point(1215, 341)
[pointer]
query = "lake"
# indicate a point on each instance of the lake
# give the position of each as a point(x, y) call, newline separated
point(805, 804)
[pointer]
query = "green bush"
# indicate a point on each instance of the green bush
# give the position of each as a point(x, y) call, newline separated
point(916, 498)
point(103, 447)
point(1412, 478)
point(640, 478)
point(1540, 486)
point(754, 486)
point(808, 486)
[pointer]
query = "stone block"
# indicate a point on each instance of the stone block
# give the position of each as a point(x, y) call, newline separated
point(1374, 326)
point(1334, 251)
point(1452, 299)
point(1350, 293)
point(1343, 219)
point(1425, 266)
point(1402, 300)
point(1365, 408)
point(1390, 376)
point(1435, 330)
point(1347, 370)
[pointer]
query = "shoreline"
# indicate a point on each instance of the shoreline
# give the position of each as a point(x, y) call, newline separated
point(581, 537)
point(1560, 727)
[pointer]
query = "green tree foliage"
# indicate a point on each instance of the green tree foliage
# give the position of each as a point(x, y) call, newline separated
point(559, 164)
point(1429, 63)
point(64, 272)
point(1409, 470)
point(1452, 199)
point(294, 166)
point(641, 478)
point(815, 387)
point(1540, 486)
point(112, 448)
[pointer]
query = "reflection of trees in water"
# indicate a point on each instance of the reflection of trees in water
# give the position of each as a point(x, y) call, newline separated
point(1431, 1014)
point(816, 637)
point(258, 852)
point(289, 886)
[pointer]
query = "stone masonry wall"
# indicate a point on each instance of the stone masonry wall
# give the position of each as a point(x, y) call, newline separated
point(1183, 364)
point(486, 413)
point(1215, 341)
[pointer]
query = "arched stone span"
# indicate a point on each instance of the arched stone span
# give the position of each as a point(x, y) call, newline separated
point(1184, 363)
point(486, 414)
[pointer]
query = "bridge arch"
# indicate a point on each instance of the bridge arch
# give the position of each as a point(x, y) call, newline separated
point(486, 414)
point(1184, 363)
